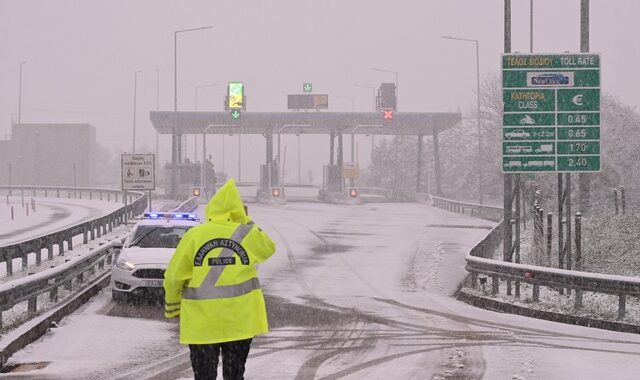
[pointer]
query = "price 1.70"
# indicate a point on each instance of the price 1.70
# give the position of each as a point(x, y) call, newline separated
point(579, 147)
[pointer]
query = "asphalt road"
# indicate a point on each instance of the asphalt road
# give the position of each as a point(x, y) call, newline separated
point(353, 292)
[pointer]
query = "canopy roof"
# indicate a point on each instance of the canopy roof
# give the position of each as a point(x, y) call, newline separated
point(403, 123)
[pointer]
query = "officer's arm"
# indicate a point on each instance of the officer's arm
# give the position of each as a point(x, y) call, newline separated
point(262, 245)
point(178, 273)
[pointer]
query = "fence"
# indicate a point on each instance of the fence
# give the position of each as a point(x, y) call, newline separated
point(27, 289)
point(479, 263)
point(89, 230)
point(377, 191)
point(481, 211)
point(187, 206)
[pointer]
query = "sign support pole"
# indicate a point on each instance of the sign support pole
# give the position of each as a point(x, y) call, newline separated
point(584, 179)
point(507, 231)
point(419, 165)
point(436, 163)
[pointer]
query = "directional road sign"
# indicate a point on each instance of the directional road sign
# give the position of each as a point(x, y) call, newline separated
point(551, 119)
point(307, 88)
point(138, 172)
point(307, 101)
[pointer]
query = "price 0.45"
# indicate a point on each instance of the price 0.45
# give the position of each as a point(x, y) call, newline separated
point(577, 119)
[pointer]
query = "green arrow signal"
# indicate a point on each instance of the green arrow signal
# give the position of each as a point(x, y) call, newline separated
point(307, 87)
point(235, 114)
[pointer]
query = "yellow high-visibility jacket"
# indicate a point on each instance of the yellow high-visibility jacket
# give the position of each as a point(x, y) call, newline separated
point(211, 282)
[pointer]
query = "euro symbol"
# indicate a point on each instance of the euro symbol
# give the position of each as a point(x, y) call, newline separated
point(577, 100)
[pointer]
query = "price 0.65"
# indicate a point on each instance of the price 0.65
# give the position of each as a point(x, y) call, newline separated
point(577, 133)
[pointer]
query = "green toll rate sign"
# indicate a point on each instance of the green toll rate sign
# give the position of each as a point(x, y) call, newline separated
point(551, 118)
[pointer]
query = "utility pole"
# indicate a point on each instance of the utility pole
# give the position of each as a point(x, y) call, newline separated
point(135, 86)
point(157, 159)
point(20, 95)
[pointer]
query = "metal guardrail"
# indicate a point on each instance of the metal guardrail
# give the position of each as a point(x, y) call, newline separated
point(620, 286)
point(188, 205)
point(480, 262)
point(27, 289)
point(90, 229)
point(378, 191)
point(493, 213)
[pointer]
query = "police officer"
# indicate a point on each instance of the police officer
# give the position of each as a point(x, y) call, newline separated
point(212, 285)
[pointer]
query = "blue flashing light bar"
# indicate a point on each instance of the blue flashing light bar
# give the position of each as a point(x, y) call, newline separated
point(170, 215)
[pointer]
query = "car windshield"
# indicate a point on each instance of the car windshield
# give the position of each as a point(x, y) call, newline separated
point(158, 236)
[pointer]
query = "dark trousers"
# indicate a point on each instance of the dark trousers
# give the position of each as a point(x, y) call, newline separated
point(204, 359)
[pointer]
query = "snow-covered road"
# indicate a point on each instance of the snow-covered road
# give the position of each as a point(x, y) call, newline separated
point(353, 292)
point(52, 214)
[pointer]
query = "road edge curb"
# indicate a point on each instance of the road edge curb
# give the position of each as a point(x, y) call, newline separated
point(40, 325)
point(504, 307)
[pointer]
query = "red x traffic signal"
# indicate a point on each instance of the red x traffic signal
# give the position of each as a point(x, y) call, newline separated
point(387, 114)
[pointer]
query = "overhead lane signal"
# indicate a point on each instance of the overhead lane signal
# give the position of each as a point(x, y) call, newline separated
point(386, 99)
point(235, 96)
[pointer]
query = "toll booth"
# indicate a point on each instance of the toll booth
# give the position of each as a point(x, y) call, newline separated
point(332, 178)
point(267, 179)
point(189, 175)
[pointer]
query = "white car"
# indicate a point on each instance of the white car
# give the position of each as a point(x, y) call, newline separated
point(518, 133)
point(145, 254)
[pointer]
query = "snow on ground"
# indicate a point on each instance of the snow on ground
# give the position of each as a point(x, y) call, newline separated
point(595, 305)
point(15, 314)
point(353, 292)
point(91, 337)
point(51, 214)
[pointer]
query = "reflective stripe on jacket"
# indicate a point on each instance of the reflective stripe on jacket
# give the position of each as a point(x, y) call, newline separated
point(211, 282)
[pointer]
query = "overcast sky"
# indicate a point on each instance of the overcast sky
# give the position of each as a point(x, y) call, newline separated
point(81, 55)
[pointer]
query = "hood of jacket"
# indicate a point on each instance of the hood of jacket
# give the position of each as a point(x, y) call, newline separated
point(227, 205)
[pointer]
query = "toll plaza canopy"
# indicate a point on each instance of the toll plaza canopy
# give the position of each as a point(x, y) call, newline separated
point(314, 122)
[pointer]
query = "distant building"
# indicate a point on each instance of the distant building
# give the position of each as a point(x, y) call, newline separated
point(49, 155)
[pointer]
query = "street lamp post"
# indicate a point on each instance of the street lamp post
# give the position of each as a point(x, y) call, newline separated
point(397, 75)
point(203, 86)
point(203, 173)
point(373, 93)
point(195, 137)
point(353, 132)
point(157, 158)
point(352, 109)
point(174, 138)
point(480, 178)
point(280, 157)
point(20, 94)
point(135, 86)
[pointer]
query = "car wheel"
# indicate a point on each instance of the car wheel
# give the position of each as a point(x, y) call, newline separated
point(119, 297)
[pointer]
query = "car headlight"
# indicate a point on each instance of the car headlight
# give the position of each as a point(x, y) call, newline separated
point(124, 264)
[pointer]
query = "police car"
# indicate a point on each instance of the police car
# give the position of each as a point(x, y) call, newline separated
point(145, 254)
